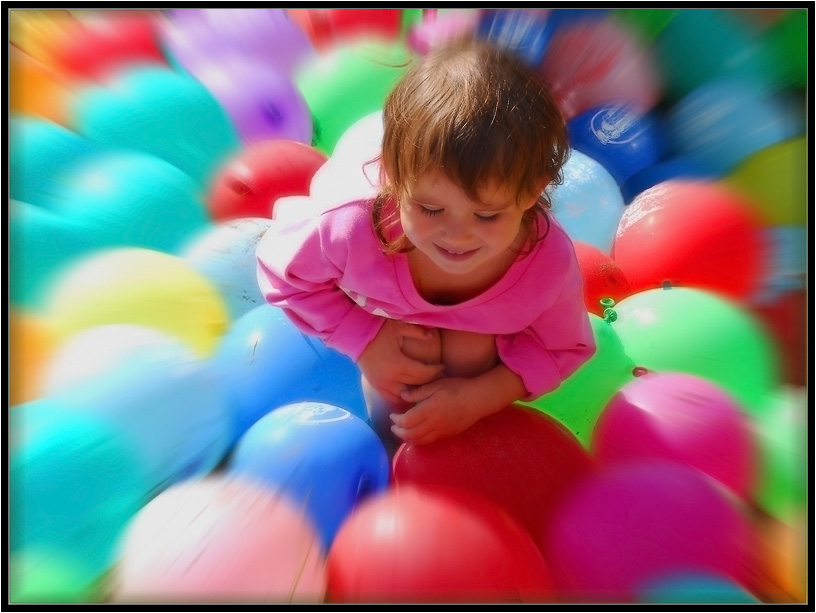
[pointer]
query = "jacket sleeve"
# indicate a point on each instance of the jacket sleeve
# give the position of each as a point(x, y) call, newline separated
point(299, 266)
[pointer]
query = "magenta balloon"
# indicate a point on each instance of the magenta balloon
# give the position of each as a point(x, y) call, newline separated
point(683, 418)
point(593, 62)
point(191, 37)
point(261, 100)
point(637, 520)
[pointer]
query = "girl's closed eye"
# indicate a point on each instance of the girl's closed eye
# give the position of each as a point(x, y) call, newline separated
point(488, 218)
point(429, 212)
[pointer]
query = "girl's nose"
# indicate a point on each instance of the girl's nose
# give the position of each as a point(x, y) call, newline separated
point(457, 229)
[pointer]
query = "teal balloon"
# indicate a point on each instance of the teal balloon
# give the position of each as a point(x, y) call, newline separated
point(580, 399)
point(165, 113)
point(75, 482)
point(41, 158)
point(699, 44)
point(123, 198)
point(347, 83)
point(701, 333)
point(694, 587)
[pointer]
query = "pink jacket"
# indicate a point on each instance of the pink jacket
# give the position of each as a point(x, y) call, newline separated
point(328, 272)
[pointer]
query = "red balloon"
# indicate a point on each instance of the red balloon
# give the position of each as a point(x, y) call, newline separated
point(249, 185)
point(785, 317)
point(698, 234)
point(108, 40)
point(328, 27)
point(602, 276)
point(519, 458)
point(430, 545)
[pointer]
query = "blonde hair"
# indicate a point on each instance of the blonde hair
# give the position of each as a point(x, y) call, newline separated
point(480, 116)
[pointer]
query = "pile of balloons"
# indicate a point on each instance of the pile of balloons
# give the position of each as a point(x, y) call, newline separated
point(173, 438)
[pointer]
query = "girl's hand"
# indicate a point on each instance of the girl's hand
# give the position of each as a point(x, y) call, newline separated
point(389, 369)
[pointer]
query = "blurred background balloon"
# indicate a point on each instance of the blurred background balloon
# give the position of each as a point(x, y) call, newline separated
point(430, 33)
point(36, 90)
point(588, 203)
point(219, 540)
point(679, 167)
point(329, 29)
point(249, 184)
point(697, 234)
point(31, 346)
point(225, 254)
point(264, 362)
point(786, 41)
point(523, 32)
point(327, 460)
point(694, 588)
point(644, 24)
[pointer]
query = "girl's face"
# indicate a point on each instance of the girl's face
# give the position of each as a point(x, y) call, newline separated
point(457, 234)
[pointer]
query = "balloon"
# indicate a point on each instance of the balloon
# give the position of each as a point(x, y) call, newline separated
point(692, 233)
point(265, 362)
point(333, 28)
point(31, 346)
point(37, 90)
point(645, 24)
point(195, 37)
point(591, 62)
point(702, 44)
point(159, 396)
point(37, 32)
point(225, 255)
point(694, 588)
point(37, 578)
point(774, 182)
point(219, 539)
point(785, 41)
point(262, 101)
point(431, 34)
point(723, 121)
point(162, 112)
point(434, 545)
point(679, 167)
point(581, 397)
point(698, 332)
point(603, 278)
point(785, 317)
point(349, 82)
point(523, 32)
point(622, 140)
point(107, 41)
point(588, 204)
point(518, 458)
point(627, 524)
point(142, 287)
point(787, 262)
point(250, 183)
point(684, 419)
point(75, 481)
point(783, 559)
point(781, 431)
point(322, 456)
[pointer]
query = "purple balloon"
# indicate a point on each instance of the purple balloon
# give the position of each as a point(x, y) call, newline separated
point(262, 101)
point(192, 37)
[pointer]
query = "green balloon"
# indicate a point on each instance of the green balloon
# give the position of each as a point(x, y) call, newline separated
point(348, 83)
point(781, 432)
point(37, 578)
point(646, 23)
point(701, 333)
point(579, 400)
point(787, 41)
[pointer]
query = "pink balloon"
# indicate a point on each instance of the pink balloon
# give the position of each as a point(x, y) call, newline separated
point(219, 539)
point(593, 62)
point(683, 418)
point(638, 520)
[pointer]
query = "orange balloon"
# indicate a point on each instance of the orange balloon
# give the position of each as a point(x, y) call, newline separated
point(783, 559)
point(35, 89)
point(32, 344)
point(39, 32)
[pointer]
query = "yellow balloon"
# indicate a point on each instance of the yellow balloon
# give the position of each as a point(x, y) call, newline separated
point(775, 181)
point(32, 344)
point(143, 287)
point(39, 32)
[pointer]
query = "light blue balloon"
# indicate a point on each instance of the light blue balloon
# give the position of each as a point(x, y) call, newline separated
point(691, 587)
point(166, 113)
point(588, 204)
point(265, 362)
point(724, 121)
point(787, 264)
point(323, 456)
point(225, 254)
point(74, 483)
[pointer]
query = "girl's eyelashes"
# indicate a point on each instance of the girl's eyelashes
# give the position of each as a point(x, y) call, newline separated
point(429, 212)
point(488, 218)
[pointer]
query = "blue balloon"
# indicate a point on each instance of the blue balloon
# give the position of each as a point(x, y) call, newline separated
point(165, 113)
point(323, 456)
point(680, 167)
point(74, 483)
point(588, 204)
point(523, 32)
point(623, 140)
point(724, 121)
point(265, 362)
point(692, 587)
point(225, 254)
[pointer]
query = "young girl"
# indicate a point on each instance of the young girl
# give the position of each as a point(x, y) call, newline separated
point(454, 290)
